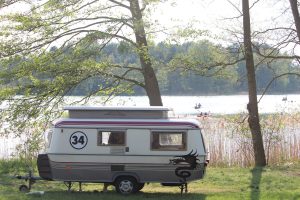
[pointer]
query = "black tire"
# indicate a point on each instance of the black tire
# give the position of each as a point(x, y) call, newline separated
point(126, 185)
point(24, 188)
point(140, 186)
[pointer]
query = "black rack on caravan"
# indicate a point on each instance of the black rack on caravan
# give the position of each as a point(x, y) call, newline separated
point(124, 146)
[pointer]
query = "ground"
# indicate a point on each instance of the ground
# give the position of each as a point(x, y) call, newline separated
point(281, 182)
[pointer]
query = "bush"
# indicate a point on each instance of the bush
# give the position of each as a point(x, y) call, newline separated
point(15, 166)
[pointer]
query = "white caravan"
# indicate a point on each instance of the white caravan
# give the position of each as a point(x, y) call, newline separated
point(124, 146)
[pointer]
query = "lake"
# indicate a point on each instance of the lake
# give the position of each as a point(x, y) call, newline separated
point(230, 104)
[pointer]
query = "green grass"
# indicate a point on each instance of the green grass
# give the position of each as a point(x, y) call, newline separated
point(219, 183)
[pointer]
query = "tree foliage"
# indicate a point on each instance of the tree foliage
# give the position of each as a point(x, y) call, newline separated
point(42, 74)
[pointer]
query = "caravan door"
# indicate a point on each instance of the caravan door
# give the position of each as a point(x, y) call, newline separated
point(138, 142)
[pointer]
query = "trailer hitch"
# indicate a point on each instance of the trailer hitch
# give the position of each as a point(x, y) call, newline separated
point(28, 178)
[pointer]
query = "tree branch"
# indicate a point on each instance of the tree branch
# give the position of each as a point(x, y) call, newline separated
point(120, 4)
point(274, 78)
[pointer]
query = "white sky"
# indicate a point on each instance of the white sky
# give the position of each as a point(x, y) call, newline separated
point(209, 14)
point(210, 11)
point(220, 17)
point(213, 14)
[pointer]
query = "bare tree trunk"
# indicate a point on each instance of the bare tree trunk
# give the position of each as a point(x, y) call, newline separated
point(295, 11)
point(151, 83)
point(253, 120)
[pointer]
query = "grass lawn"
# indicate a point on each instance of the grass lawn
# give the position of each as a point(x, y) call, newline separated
point(219, 183)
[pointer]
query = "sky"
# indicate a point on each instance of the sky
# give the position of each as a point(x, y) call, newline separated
point(222, 17)
point(213, 12)
point(209, 14)
point(218, 17)
point(215, 15)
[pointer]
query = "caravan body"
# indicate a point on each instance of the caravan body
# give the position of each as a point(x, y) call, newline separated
point(104, 144)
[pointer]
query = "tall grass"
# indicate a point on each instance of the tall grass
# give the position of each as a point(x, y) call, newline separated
point(13, 166)
point(229, 139)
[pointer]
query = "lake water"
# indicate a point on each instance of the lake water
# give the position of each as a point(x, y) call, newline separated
point(230, 104)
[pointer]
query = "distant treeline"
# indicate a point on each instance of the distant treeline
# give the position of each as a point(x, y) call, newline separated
point(176, 79)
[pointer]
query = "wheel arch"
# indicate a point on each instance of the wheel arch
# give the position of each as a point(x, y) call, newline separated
point(122, 174)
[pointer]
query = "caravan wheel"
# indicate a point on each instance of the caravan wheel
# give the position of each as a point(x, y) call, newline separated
point(24, 188)
point(126, 185)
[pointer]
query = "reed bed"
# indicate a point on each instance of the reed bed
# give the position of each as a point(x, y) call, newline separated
point(229, 141)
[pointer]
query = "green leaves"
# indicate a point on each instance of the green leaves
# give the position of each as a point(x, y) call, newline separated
point(36, 84)
point(205, 59)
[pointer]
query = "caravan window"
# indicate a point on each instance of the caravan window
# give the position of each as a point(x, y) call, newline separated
point(170, 141)
point(111, 138)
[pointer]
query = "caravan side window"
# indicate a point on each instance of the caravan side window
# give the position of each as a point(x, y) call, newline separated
point(168, 141)
point(111, 138)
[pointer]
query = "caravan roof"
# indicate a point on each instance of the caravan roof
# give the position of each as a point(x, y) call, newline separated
point(122, 108)
point(113, 112)
point(129, 123)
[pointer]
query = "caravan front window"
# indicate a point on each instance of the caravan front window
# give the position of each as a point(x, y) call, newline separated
point(170, 141)
point(111, 138)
